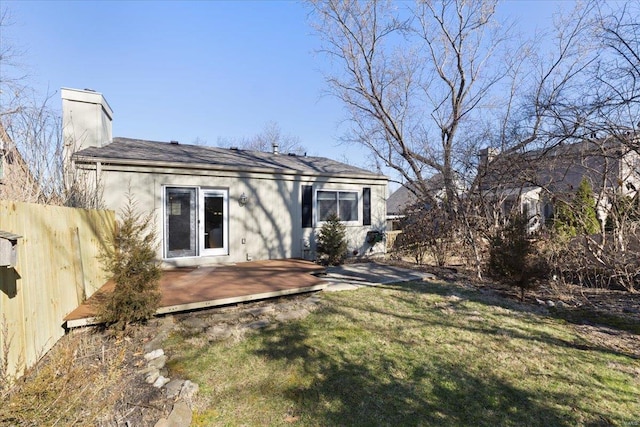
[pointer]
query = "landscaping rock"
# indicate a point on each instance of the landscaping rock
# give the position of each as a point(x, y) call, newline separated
point(259, 324)
point(194, 323)
point(292, 315)
point(162, 422)
point(160, 381)
point(166, 325)
point(180, 416)
point(551, 304)
point(219, 332)
point(158, 362)
point(154, 354)
point(173, 388)
point(315, 299)
point(152, 376)
point(189, 390)
point(146, 370)
point(261, 311)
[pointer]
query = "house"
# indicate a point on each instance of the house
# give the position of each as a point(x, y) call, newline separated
point(217, 205)
point(397, 202)
point(404, 197)
point(16, 181)
point(531, 181)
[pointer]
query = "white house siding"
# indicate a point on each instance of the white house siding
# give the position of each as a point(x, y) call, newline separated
point(269, 226)
point(630, 173)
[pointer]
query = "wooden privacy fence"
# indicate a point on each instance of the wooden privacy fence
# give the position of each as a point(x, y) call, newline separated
point(56, 269)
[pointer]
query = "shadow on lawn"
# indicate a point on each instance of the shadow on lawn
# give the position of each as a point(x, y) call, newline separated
point(524, 309)
point(347, 390)
point(355, 386)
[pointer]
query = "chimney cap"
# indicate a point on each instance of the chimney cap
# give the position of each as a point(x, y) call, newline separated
point(276, 149)
point(174, 142)
point(86, 95)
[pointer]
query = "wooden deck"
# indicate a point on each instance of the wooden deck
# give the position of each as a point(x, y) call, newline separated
point(193, 288)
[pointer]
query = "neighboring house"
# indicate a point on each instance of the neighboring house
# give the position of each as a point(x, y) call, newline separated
point(404, 198)
point(530, 181)
point(222, 205)
point(397, 202)
point(16, 181)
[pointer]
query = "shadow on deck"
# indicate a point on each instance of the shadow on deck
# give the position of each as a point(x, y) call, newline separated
point(186, 289)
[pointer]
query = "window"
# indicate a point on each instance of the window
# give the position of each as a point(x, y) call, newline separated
point(344, 204)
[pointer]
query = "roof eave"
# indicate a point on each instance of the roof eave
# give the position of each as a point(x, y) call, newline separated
point(206, 166)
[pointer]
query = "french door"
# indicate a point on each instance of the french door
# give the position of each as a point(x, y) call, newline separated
point(213, 233)
point(196, 222)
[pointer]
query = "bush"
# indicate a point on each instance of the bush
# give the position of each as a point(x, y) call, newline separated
point(425, 232)
point(514, 258)
point(579, 216)
point(624, 210)
point(130, 258)
point(332, 245)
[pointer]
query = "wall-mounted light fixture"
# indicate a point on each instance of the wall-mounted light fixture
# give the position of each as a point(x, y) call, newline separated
point(243, 199)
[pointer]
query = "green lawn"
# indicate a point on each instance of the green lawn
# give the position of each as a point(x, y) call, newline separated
point(413, 354)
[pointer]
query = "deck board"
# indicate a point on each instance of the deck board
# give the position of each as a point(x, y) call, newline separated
point(186, 289)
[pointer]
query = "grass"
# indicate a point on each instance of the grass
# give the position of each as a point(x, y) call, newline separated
point(413, 354)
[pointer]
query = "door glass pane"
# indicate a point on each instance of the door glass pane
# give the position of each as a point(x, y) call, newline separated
point(180, 211)
point(213, 221)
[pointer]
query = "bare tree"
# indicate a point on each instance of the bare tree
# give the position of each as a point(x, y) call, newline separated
point(13, 76)
point(35, 130)
point(424, 92)
point(30, 128)
point(269, 137)
point(412, 79)
point(616, 96)
point(31, 136)
point(609, 107)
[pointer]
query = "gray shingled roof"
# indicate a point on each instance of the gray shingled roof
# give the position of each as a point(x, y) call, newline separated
point(403, 197)
point(557, 169)
point(399, 200)
point(151, 153)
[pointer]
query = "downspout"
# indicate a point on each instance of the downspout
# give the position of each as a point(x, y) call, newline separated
point(96, 191)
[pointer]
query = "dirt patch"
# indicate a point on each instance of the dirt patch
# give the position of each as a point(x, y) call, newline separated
point(234, 322)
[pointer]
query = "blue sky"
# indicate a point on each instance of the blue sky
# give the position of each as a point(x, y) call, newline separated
point(196, 70)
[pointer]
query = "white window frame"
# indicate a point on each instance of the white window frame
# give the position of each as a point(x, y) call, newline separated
point(202, 193)
point(356, 191)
